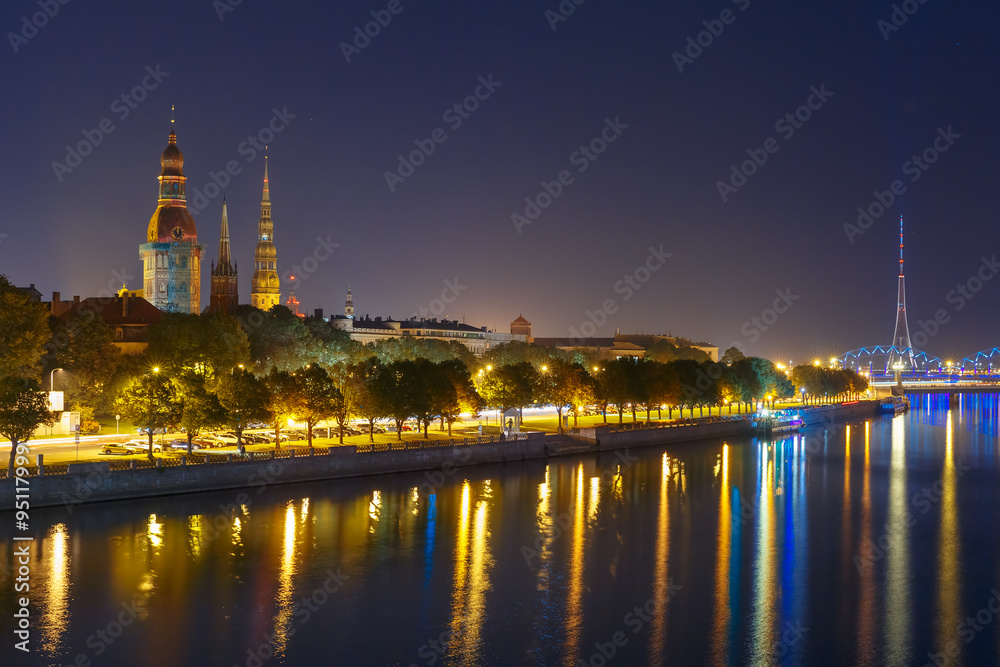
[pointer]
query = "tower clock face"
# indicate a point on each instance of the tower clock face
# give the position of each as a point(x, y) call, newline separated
point(177, 233)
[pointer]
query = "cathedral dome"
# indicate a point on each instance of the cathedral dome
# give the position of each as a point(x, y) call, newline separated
point(172, 160)
point(171, 224)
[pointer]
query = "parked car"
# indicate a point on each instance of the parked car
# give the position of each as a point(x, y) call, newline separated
point(207, 442)
point(365, 429)
point(114, 449)
point(348, 430)
point(268, 437)
point(225, 438)
point(142, 446)
point(254, 439)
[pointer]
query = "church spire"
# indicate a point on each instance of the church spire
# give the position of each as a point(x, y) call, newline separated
point(267, 192)
point(224, 252)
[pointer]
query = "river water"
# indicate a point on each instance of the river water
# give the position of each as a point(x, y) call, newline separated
point(870, 542)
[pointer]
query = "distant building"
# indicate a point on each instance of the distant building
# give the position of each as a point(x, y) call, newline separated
point(32, 294)
point(265, 287)
point(623, 345)
point(129, 317)
point(293, 303)
point(521, 327)
point(171, 256)
point(225, 296)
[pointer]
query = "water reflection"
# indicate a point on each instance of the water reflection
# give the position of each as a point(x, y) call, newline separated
point(55, 602)
point(723, 554)
point(473, 563)
point(661, 581)
point(763, 618)
point(286, 590)
point(949, 614)
point(897, 615)
point(574, 598)
point(866, 652)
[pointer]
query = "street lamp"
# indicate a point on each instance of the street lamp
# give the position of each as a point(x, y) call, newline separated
point(51, 378)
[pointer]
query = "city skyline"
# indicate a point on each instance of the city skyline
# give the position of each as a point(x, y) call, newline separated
point(791, 227)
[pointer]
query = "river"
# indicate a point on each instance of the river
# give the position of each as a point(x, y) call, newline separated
point(869, 542)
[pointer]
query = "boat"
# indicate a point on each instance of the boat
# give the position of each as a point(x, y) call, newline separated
point(778, 421)
point(894, 405)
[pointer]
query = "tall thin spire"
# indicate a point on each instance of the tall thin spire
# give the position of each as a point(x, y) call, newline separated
point(901, 337)
point(267, 192)
point(224, 252)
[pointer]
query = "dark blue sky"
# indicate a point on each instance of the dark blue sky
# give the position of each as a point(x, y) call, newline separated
point(656, 184)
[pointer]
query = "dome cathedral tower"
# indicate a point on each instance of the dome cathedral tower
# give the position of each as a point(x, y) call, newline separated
point(171, 256)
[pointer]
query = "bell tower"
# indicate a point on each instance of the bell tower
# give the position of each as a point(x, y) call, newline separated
point(265, 288)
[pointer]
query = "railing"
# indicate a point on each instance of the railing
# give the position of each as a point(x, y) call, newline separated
point(200, 459)
point(678, 423)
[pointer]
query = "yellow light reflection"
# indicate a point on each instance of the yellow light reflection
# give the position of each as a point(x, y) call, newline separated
point(375, 509)
point(846, 517)
point(154, 530)
point(949, 582)
point(473, 562)
point(897, 617)
point(661, 581)
point(763, 621)
point(595, 497)
point(544, 523)
point(237, 533)
point(55, 606)
point(305, 509)
point(723, 552)
point(574, 601)
point(866, 654)
point(196, 533)
point(283, 618)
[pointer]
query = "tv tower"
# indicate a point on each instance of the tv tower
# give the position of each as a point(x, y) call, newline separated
point(901, 337)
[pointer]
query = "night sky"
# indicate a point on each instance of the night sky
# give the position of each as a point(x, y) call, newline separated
point(655, 184)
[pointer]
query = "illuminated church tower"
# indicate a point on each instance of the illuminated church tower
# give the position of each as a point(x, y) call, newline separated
point(171, 256)
point(265, 288)
point(225, 285)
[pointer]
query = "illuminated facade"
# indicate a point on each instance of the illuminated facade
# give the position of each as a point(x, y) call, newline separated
point(265, 288)
point(225, 283)
point(171, 256)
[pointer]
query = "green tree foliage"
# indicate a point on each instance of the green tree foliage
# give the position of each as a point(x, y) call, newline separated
point(209, 344)
point(320, 397)
point(85, 350)
point(462, 397)
point(24, 331)
point(731, 356)
point(23, 408)
point(408, 348)
point(822, 382)
point(565, 385)
point(280, 339)
point(516, 352)
point(285, 397)
point(664, 351)
point(364, 395)
point(246, 401)
point(149, 402)
point(509, 386)
point(200, 407)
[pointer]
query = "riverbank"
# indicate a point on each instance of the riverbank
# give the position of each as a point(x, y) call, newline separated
point(84, 483)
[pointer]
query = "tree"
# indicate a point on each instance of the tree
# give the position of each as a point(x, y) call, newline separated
point(24, 330)
point(200, 408)
point(393, 388)
point(511, 386)
point(84, 348)
point(149, 402)
point(463, 398)
point(285, 397)
point(245, 400)
point(23, 408)
point(210, 344)
point(343, 407)
point(320, 397)
point(731, 356)
point(366, 402)
point(564, 384)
